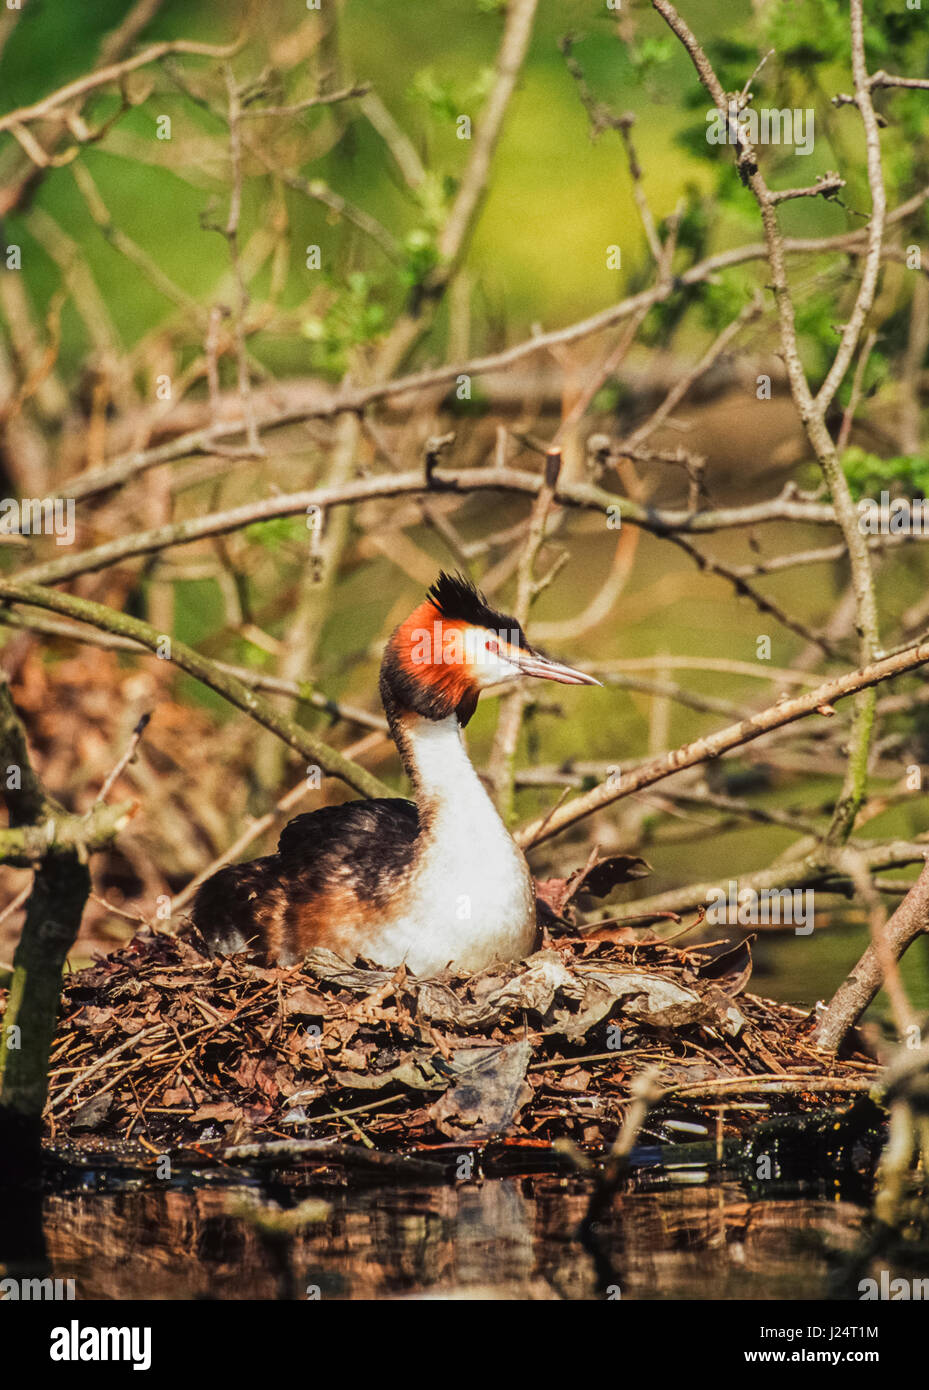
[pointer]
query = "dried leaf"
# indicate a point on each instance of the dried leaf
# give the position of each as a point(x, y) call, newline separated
point(92, 1113)
point(224, 1111)
point(608, 873)
point(417, 1071)
point(732, 969)
point(305, 1003)
point(488, 1092)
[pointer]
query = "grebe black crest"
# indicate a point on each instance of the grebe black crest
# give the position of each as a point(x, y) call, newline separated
point(429, 883)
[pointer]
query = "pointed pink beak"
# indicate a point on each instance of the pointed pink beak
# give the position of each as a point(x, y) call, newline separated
point(535, 664)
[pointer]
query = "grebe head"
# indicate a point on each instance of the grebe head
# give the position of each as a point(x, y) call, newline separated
point(453, 646)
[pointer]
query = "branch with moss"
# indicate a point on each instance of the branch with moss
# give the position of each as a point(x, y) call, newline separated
point(27, 801)
point(24, 846)
point(58, 846)
point(53, 919)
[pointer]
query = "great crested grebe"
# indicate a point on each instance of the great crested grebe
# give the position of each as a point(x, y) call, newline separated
point(430, 883)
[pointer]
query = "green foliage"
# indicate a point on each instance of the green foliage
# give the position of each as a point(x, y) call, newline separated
point(663, 318)
point(351, 318)
point(721, 300)
point(613, 395)
point(868, 473)
point(649, 55)
point(693, 228)
point(728, 189)
point(433, 197)
point(692, 139)
point(448, 99)
point(806, 34)
point(421, 255)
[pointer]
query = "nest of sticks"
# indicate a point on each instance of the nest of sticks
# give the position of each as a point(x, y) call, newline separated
point(161, 1049)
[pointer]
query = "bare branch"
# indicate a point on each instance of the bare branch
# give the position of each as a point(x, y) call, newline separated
point(324, 99)
point(713, 745)
point(325, 403)
point(584, 495)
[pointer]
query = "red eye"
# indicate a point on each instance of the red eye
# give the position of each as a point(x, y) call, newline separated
point(491, 646)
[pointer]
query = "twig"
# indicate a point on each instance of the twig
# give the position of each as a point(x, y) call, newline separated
point(672, 400)
point(308, 104)
point(16, 903)
point(41, 110)
point(773, 1084)
point(398, 143)
point(126, 758)
point(320, 192)
point(744, 589)
point(231, 233)
point(102, 1062)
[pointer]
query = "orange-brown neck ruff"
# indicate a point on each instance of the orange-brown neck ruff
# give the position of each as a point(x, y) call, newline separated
point(425, 670)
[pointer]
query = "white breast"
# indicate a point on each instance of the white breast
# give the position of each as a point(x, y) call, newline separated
point(471, 901)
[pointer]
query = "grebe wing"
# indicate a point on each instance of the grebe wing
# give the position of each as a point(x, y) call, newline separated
point(386, 825)
point(364, 848)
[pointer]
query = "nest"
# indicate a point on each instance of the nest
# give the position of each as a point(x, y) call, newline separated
point(161, 1047)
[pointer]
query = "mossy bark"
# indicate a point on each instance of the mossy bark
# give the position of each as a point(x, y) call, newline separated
point(53, 918)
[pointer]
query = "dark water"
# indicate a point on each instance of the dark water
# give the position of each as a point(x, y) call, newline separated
point(514, 1237)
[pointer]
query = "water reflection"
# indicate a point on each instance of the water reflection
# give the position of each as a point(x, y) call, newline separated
point(508, 1237)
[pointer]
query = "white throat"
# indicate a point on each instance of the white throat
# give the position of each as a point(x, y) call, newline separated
point(440, 766)
point(474, 901)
